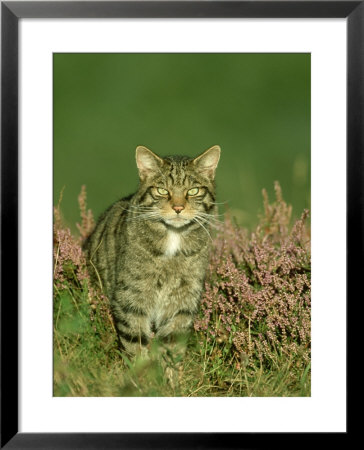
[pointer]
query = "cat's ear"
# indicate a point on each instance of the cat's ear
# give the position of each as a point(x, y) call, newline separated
point(207, 162)
point(147, 162)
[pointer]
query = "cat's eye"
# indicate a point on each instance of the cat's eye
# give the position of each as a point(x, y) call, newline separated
point(193, 191)
point(162, 191)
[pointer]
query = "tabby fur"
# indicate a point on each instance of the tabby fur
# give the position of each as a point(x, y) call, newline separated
point(149, 251)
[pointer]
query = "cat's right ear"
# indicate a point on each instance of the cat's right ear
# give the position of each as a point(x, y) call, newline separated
point(147, 162)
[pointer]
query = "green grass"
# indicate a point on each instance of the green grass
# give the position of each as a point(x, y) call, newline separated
point(231, 351)
point(87, 361)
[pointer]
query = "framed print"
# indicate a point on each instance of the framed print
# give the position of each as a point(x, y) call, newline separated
point(98, 98)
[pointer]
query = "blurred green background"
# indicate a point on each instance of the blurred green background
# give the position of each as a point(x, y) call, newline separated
point(255, 106)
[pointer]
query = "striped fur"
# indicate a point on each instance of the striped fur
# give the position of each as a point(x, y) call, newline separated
point(149, 251)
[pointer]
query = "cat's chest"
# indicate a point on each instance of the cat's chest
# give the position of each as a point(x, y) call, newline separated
point(172, 243)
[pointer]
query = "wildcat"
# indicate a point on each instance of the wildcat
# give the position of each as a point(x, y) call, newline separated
point(149, 251)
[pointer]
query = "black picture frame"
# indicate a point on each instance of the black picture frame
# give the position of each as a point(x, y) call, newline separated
point(11, 12)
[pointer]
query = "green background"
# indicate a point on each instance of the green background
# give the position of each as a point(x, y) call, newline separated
point(255, 106)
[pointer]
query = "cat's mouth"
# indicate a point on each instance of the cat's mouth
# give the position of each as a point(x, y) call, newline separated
point(177, 222)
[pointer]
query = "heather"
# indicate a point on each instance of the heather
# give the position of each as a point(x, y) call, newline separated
point(252, 334)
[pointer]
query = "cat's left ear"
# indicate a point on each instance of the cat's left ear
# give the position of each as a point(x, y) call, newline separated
point(207, 162)
point(148, 162)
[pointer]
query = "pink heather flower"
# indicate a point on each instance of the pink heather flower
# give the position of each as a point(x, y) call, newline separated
point(261, 282)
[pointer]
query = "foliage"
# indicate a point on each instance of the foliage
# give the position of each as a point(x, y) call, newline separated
point(251, 337)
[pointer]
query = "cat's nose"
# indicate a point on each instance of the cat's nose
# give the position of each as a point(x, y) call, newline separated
point(178, 209)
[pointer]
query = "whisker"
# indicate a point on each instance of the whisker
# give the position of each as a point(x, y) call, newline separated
point(209, 218)
point(219, 203)
point(216, 226)
point(142, 209)
point(140, 206)
point(201, 225)
point(142, 215)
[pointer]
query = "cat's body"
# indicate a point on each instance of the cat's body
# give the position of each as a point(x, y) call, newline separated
point(149, 251)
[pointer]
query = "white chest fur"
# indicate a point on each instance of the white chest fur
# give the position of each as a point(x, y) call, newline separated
point(172, 243)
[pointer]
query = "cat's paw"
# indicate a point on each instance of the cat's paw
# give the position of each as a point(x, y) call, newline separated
point(172, 377)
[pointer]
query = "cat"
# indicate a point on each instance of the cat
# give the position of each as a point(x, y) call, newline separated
point(149, 251)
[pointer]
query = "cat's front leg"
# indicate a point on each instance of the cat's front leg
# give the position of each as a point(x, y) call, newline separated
point(173, 335)
point(174, 346)
point(132, 325)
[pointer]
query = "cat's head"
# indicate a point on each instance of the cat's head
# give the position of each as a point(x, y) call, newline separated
point(177, 190)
